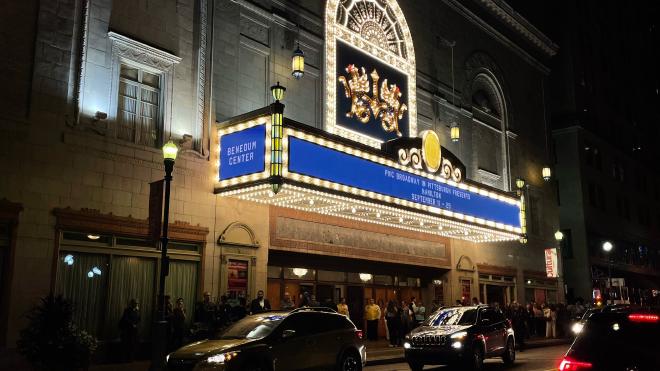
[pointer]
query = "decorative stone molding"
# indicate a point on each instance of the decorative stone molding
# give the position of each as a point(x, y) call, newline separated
point(514, 20)
point(465, 264)
point(92, 220)
point(9, 210)
point(241, 226)
point(136, 51)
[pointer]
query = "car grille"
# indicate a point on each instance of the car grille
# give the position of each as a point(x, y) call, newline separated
point(181, 364)
point(422, 340)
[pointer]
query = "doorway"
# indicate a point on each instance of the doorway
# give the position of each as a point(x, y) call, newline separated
point(355, 301)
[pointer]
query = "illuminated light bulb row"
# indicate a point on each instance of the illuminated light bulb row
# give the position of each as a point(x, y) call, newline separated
point(459, 231)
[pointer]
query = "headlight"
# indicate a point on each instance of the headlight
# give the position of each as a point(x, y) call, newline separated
point(167, 358)
point(406, 345)
point(457, 345)
point(222, 357)
point(458, 335)
point(577, 327)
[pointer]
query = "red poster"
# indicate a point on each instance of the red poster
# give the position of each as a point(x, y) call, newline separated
point(237, 278)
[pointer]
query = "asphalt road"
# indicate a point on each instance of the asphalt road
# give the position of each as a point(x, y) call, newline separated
point(538, 359)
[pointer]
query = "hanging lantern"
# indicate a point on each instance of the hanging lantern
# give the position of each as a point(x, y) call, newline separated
point(547, 173)
point(366, 277)
point(520, 183)
point(298, 63)
point(278, 91)
point(455, 132)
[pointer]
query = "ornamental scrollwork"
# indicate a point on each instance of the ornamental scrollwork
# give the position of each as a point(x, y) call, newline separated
point(410, 157)
point(383, 104)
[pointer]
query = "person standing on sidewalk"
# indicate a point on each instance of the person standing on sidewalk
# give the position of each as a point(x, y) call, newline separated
point(518, 320)
point(420, 313)
point(342, 307)
point(393, 321)
point(372, 314)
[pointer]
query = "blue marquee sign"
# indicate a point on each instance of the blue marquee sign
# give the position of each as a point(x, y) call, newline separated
point(242, 152)
point(314, 160)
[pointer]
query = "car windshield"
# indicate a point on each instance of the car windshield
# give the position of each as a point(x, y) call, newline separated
point(252, 327)
point(608, 336)
point(452, 316)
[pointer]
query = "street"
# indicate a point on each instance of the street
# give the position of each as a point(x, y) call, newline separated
point(537, 359)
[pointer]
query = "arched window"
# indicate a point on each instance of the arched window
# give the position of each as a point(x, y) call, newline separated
point(490, 122)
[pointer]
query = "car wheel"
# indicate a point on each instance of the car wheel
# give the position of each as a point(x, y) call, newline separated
point(509, 355)
point(415, 366)
point(350, 361)
point(476, 362)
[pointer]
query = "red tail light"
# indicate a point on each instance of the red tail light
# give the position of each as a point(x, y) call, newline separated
point(358, 333)
point(568, 364)
point(638, 317)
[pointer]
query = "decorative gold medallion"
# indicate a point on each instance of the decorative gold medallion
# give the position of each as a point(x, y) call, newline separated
point(431, 152)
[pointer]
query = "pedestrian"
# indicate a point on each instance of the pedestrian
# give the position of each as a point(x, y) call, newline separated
point(518, 320)
point(304, 300)
point(287, 303)
point(475, 301)
point(223, 313)
point(259, 304)
point(406, 318)
point(420, 313)
point(539, 319)
point(342, 307)
point(550, 313)
point(313, 302)
point(435, 305)
point(372, 315)
point(128, 330)
point(330, 304)
point(205, 314)
point(178, 324)
point(458, 303)
point(393, 320)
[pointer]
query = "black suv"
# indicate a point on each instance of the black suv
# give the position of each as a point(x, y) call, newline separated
point(616, 339)
point(303, 339)
point(464, 335)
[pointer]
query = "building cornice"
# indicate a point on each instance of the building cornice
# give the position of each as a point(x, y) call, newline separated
point(490, 30)
point(517, 22)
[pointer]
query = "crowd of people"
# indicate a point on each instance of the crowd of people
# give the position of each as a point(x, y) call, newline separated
point(528, 321)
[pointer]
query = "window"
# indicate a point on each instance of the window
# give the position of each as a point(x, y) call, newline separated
point(139, 105)
point(141, 90)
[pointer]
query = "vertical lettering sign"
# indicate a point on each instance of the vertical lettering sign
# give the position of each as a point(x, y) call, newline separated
point(371, 95)
point(551, 263)
point(242, 152)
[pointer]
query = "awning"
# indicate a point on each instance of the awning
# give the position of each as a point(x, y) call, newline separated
point(273, 160)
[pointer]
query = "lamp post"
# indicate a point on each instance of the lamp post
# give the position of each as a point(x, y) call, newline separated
point(559, 237)
point(170, 151)
point(607, 247)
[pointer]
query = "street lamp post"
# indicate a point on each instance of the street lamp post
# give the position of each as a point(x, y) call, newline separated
point(170, 151)
point(607, 247)
point(559, 236)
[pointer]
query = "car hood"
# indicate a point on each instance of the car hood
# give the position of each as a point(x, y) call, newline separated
point(206, 348)
point(437, 330)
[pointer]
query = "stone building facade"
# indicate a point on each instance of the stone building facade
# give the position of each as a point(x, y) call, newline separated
point(105, 83)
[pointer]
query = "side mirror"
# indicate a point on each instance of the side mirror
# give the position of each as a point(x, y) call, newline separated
point(288, 333)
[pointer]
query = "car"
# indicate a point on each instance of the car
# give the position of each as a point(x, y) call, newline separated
point(616, 339)
point(302, 339)
point(579, 321)
point(460, 335)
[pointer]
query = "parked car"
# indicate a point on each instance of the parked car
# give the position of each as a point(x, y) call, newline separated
point(305, 338)
point(461, 335)
point(614, 339)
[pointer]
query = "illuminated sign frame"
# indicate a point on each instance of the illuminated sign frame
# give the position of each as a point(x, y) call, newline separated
point(405, 63)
